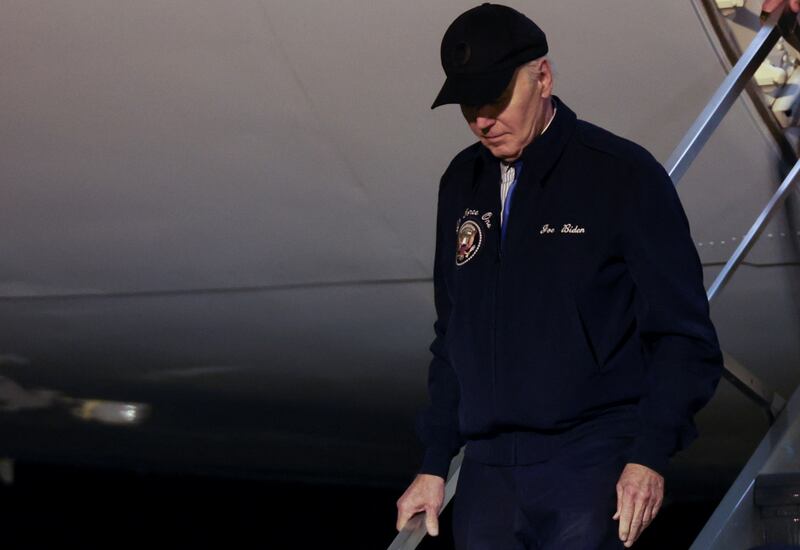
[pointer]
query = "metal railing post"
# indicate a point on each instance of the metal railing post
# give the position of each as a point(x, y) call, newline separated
point(688, 149)
point(755, 230)
point(722, 100)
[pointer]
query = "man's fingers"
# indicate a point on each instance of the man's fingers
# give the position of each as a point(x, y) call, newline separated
point(405, 511)
point(425, 494)
point(625, 515)
point(647, 516)
point(642, 491)
point(636, 521)
point(652, 510)
point(656, 508)
point(432, 521)
point(770, 5)
point(402, 518)
point(619, 502)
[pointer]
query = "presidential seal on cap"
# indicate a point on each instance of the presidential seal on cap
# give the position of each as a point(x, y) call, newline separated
point(480, 51)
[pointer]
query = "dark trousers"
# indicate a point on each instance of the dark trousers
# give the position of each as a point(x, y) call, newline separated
point(564, 503)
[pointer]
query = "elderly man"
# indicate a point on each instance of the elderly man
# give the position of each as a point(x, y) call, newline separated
point(573, 341)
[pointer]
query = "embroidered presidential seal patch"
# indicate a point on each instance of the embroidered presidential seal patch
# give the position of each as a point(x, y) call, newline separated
point(469, 241)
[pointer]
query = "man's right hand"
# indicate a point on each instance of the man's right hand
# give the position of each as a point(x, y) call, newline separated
point(770, 5)
point(426, 493)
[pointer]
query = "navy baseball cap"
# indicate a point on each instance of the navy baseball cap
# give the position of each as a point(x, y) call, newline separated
point(480, 51)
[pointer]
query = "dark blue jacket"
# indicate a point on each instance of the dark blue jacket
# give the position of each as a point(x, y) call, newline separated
point(590, 317)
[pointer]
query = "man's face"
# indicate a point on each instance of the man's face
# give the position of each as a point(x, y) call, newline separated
point(506, 126)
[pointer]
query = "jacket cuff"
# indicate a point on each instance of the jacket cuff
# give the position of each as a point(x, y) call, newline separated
point(652, 451)
point(436, 461)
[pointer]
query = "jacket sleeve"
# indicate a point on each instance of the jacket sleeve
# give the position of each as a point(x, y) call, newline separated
point(684, 361)
point(437, 425)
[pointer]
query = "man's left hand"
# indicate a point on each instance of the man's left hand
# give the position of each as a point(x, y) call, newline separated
point(640, 492)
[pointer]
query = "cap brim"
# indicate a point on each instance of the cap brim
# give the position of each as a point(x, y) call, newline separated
point(474, 89)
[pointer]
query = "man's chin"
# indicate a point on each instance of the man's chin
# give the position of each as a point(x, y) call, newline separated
point(504, 153)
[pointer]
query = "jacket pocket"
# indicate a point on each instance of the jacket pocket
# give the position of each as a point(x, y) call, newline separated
point(586, 338)
point(610, 337)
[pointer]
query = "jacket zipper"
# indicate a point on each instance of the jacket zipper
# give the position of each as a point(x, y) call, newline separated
point(496, 283)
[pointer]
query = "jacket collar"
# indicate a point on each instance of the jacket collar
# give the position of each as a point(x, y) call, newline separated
point(539, 156)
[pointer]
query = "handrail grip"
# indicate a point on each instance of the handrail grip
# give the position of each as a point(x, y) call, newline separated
point(414, 531)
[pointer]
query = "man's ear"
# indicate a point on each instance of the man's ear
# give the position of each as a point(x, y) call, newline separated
point(545, 79)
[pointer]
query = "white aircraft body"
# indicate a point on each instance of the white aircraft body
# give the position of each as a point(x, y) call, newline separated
point(217, 223)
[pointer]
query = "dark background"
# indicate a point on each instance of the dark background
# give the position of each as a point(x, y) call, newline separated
point(52, 506)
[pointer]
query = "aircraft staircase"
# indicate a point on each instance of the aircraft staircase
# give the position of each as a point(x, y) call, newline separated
point(761, 510)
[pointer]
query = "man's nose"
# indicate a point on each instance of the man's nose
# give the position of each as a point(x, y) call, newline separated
point(484, 123)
